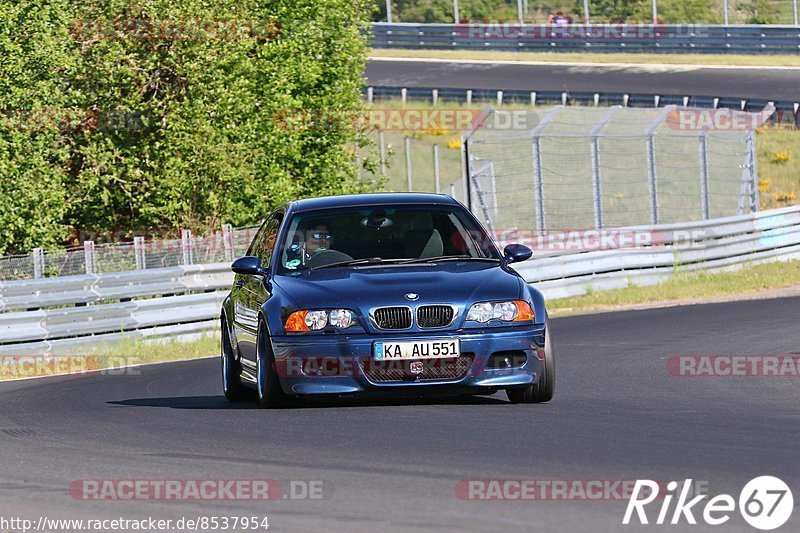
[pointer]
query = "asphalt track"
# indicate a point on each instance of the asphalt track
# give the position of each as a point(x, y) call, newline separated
point(758, 83)
point(617, 415)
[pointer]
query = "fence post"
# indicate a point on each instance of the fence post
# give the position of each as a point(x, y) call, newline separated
point(456, 14)
point(704, 174)
point(538, 169)
point(408, 165)
point(465, 173)
point(389, 11)
point(469, 96)
point(186, 247)
point(88, 254)
point(404, 95)
point(436, 167)
point(139, 252)
point(370, 95)
point(382, 142)
point(38, 263)
point(651, 177)
point(754, 198)
point(227, 241)
point(435, 96)
point(597, 191)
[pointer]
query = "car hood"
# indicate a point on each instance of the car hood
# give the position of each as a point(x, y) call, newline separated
point(370, 286)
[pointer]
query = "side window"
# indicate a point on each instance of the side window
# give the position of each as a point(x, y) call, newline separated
point(264, 244)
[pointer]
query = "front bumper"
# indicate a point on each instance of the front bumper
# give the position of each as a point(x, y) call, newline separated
point(335, 364)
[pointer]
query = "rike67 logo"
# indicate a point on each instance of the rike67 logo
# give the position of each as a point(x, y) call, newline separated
point(765, 503)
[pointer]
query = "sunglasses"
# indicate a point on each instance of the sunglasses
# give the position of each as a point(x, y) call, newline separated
point(325, 236)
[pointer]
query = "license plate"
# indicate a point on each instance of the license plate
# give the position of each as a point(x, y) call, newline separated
point(437, 349)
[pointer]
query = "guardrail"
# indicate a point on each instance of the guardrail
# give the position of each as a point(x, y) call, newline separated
point(74, 312)
point(786, 113)
point(713, 244)
point(628, 38)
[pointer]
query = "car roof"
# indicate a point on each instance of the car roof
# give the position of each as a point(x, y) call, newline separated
point(372, 199)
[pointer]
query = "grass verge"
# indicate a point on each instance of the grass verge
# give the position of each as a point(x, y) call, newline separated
point(588, 57)
point(749, 281)
point(117, 358)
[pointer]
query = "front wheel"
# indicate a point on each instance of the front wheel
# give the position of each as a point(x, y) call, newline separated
point(543, 390)
point(231, 368)
point(270, 393)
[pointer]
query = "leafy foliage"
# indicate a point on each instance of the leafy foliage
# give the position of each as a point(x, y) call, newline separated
point(165, 124)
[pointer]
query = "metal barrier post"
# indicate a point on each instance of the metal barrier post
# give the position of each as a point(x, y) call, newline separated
point(436, 167)
point(138, 250)
point(186, 247)
point(408, 165)
point(227, 241)
point(38, 263)
point(88, 254)
point(382, 142)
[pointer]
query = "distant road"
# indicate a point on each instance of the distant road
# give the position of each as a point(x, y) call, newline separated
point(738, 82)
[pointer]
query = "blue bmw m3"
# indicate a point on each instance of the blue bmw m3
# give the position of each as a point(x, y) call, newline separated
point(386, 294)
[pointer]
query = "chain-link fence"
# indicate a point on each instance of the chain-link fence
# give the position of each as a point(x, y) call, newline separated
point(586, 167)
point(612, 167)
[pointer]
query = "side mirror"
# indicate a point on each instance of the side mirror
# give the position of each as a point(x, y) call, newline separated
point(249, 266)
point(514, 253)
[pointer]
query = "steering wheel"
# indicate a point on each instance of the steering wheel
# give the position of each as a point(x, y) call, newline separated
point(326, 257)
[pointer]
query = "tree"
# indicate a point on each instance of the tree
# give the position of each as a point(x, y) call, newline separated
point(185, 111)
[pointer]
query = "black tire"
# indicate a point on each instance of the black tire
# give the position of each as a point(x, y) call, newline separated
point(268, 386)
point(544, 389)
point(231, 368)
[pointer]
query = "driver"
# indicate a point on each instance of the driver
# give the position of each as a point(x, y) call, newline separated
point(307, 244)
point(318, 239)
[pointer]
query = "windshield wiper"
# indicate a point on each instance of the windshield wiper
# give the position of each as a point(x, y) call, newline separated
point(366, 260)
point(451, 258)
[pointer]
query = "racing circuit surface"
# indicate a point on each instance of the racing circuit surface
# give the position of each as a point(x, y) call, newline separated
point(617, 415)
point(778, 84)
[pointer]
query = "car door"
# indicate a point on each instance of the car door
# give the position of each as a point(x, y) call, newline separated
point(252, 291)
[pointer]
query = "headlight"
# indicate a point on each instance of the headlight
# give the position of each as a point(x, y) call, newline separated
point(305, 320)
point(513, 311)
point(316, 319)
point(341, 318)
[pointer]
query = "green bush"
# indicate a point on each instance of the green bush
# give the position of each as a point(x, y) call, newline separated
point(167, 126)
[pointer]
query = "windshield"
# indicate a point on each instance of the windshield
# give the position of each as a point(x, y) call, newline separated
point(382, 234)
